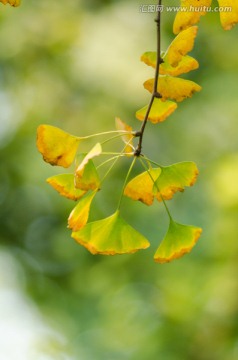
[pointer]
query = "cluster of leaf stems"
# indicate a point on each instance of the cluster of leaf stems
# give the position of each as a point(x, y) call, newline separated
point(137, 152)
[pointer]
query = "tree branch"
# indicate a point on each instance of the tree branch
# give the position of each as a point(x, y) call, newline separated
point(155, 93)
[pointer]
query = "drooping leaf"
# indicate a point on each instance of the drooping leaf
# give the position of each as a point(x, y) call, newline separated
point(160, 110)
point(179, 240)
point(190, 13)
point(228, 18)
point(79, 215)
point(56, 146)
point(86, 175)
point(11, 2)
point(64, 184)
point(127, 138)
point(141, 187)
point(110, 236)
point(87, 178)
point(173, 88)
point(181, 45)
point(95, 151)
point(175, 178)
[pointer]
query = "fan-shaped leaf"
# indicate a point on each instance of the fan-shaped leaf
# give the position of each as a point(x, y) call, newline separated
point(64, 184)
point(179, 240)
point(110, 236)
point(79, 215)
point(186, 64)
point(57, 146)
point(95, 151)
point(190, 13)
point(87, 178)
point(175, 178)
point(181, 45)
point(228, 18)
point(173, 88)
point(141, 187)
point(149, 58)
point(127, 138)
point(160, 110)
point(11, 2)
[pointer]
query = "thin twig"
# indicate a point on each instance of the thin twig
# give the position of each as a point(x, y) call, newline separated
point(155, 93)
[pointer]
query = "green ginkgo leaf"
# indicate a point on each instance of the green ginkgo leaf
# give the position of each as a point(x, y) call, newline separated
point(64, 184)
point(175, 178)
point(87, 178)
point(79, 215)
point(160, 110)
point(179, 240)
point(110, 236)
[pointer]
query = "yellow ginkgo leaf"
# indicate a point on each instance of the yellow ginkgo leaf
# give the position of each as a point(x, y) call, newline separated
point(95, 151)
point(141, 187)
point(110, 236)
point(175, 178)
point(186, 64)
point(179, 240)
point(181, 45)
point(57, 146)
point(86, 175)
point(149, 58)
point(64, 184)
point(87, 178)
point(160, 110)
point(190, 13)
point(173, 88)
point(127, 138)
point(228, 18)
point(11, 2)
point(79, 215)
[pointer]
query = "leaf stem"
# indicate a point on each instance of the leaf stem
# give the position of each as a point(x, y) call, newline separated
point(125, 182)
point(155, 93)
point(116, 136)
point(121, 132)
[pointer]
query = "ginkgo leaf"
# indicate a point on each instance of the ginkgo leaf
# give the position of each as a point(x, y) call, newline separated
point(127, 138)
point(87, 178)
point(64, 184)
point(228, 18)
point(95, 151)
point(175, 178)
point(186, 64)
point(190, 13)
point(110, 236)
point(79, 215)
point(11, 2)
point(179, 240)
point(181, 45)
point(57, 146)
point(86, 175)
point(141, 187)
point(173, 88)
point(149, 58)
point(160, 110)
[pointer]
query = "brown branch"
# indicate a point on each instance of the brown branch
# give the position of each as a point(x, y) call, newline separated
point(155, 93)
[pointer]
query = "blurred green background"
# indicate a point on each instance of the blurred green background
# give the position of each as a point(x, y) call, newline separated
point(75, 64)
